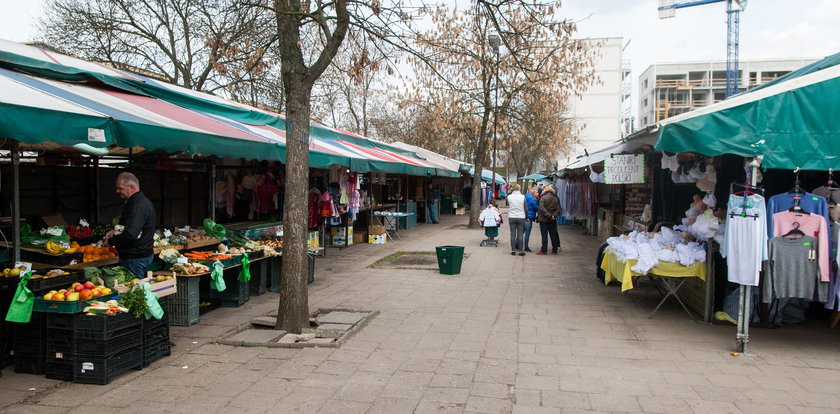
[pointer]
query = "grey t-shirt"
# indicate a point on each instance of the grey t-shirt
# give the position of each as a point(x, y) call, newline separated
point(793, 270)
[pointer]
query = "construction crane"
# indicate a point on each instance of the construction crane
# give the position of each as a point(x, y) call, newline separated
point(667, 8)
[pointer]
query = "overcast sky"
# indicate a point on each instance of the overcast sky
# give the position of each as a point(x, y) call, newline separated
point(769, 28)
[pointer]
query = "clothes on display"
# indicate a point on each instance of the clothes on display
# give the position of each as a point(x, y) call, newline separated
point(745, 239)
point(313, 210)
point(578, 200)
point(793, 270)
point(811, 225)
point(649, 249)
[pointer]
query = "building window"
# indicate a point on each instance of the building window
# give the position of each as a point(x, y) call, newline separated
point(645, 84)
point(645, 103)
point(644, 121)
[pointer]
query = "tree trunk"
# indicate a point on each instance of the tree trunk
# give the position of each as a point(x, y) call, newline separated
point(293, 310)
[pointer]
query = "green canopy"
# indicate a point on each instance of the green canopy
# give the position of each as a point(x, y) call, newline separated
point(792, 122)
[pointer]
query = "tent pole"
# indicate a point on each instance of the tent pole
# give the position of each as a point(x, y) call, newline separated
point(212, 201)
point(742, 338)
point(15, 203)
point(96, 190)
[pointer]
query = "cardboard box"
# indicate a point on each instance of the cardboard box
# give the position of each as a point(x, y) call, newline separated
point(54, 219)
point(376, 230)
point(359, 237)
point(460, 211)
point(377, 239)
point(342, 236)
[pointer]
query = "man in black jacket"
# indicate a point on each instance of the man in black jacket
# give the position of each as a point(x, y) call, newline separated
point(134, 235)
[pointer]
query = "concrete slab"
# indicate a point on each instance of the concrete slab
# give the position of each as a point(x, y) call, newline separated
point(269, 321)
point(349, 318)
point(257, 335)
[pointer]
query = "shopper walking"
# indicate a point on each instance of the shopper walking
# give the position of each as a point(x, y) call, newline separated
point(531, 208)
point(547, 217)
point(516, 218)
point(133, 237)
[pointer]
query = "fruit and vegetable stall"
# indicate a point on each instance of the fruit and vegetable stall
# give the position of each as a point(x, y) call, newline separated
point(81, 317)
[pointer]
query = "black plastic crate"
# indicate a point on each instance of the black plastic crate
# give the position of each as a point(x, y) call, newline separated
point(158, 334)
point(61, 321)
point(156, 350)
point(236, 292)
point(41, 286)
point(30, 364)
point(104, 327)
point(101, 369)
point(30, 340)
point(59, 369)
point(60, 344)
point(127, 338)
point(259, 277)
point(152, 323)
point(183, 313)
point(27, 255)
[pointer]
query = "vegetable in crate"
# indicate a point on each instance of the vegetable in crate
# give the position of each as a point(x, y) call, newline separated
point(134, 300)
point(171, 256)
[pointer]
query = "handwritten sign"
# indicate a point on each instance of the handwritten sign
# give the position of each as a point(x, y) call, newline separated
point(624, 169)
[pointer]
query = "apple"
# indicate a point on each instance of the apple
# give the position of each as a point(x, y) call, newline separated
point(75, 284)
point(62, 291)
point(89, 285)
point(73, 296)
point(49, 296)
point(58, 296)
point(85, 294)
point(96, 293)
point(79, 288)
point(105, 291)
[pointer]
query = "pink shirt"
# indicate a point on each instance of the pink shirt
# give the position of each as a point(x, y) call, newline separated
point(811, 225)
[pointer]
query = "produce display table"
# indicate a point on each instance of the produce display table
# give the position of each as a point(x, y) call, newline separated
point(662, 277)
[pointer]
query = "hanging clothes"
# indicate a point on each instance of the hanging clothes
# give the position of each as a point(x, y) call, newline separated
point(812, 203)
point(745, 239)
point(793, 270)
point(810, 224)
point(313, 211)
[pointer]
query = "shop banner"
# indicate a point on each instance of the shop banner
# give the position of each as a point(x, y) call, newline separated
point(624, 169)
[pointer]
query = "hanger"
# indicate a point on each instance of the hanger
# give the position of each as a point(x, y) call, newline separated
point(797, 189)
point(830, 183)
point(794, 231)
point(796, 208)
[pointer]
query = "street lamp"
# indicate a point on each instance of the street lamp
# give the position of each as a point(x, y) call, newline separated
point(494, 43)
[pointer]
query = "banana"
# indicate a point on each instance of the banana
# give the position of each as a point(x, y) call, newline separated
point(53, 248)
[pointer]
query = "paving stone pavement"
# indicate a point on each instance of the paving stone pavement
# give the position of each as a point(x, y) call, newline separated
point(510, 334)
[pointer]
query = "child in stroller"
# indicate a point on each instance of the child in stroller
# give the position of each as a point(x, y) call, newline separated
point(490, 218)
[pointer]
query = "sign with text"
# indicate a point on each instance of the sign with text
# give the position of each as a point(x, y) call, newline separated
point(624, 169)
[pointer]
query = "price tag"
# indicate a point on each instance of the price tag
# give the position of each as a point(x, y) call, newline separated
point(83, 223)
point(182, 260)
point(26, 266)
point(166, 232)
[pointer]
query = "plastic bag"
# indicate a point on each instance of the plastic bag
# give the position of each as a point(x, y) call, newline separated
point(20, 310)
point(213, 229)
point(245, 273)
point(153, 308)
point(217, 280)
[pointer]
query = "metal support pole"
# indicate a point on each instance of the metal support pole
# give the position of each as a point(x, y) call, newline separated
point(15, 203)
point(97, 196)
point(742, 338)
point(212, 192)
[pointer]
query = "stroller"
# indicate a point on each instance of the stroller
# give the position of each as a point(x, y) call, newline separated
point(490, 219)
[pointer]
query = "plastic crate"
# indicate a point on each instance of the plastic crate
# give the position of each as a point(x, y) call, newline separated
point(188, 288)
point(76, 306)
point(259, 277)
point(127, 338)
point(105, 327)
point(183, 312)
point(59, 321)
point(30, 345)
point(275, 273)
point(41, 286)
point(237, 292)
point(101, 369)
point(155, 350)
point(58, 369)
point(152, 323)
point(158, 334)
point(27, 255)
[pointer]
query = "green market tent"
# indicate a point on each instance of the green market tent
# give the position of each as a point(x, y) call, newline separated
point(51, 100)
point(792, 121)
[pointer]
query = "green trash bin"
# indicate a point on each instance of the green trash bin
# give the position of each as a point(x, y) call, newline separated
point(449, 259)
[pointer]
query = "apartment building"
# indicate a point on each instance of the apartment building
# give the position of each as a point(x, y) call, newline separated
point(602, 113)
point(670, 89)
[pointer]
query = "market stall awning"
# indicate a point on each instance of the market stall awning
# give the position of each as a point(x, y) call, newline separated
point(487, 175)
point(533, 177)
point(633, 143)
point(793, 122)
point(51, 100)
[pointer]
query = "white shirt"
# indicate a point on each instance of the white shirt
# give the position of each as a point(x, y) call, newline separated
point(516, 202)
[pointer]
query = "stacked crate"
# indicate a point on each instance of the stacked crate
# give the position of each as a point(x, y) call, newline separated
point(156, 336)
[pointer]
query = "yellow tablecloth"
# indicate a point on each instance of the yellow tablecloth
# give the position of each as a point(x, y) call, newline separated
point(615, 270)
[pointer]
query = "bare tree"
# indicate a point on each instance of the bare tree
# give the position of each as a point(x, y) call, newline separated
point(539, 67)
point(218, 46)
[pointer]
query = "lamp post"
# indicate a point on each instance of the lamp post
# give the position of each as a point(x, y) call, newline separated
point(494, 43)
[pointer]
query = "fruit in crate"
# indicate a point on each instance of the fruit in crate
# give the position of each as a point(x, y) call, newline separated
point(93, 252)
point(79, 232)
point(72, 297)
point(85, 294)
point(58, 248)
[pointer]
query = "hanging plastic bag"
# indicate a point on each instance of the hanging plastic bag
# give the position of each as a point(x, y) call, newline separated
point(153, 308)
point(245, 273)
point(20, 310)
point(217, 280)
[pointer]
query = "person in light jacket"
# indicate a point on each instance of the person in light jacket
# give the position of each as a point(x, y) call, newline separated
point(547, 217)
point(516, 218)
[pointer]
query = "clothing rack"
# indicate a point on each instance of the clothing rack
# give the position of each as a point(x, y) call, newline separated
point(747, 191)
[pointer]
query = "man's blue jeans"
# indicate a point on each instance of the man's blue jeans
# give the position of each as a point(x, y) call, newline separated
point(137, 266)
point(430, 207)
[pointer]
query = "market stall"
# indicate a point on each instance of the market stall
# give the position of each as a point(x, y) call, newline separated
point(785, 126)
